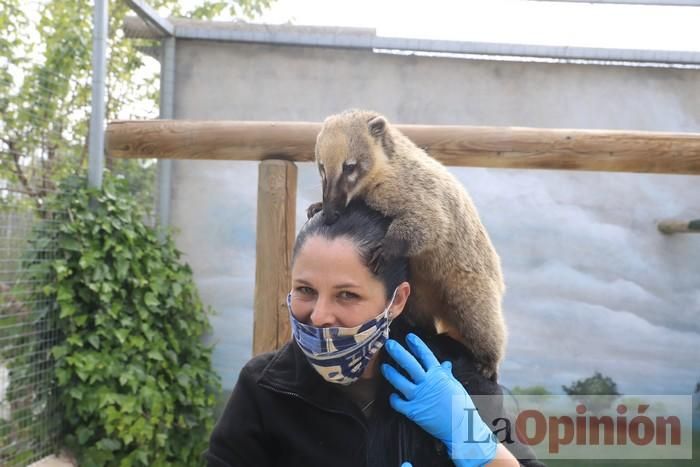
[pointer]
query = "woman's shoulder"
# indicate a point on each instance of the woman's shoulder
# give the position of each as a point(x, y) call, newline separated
point(257, 365)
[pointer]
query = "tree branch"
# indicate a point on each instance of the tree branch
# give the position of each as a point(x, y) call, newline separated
point(17, 190)
point(18, 167)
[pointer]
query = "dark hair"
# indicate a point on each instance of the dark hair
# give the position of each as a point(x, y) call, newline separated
point(392, 438)
point(366, 229)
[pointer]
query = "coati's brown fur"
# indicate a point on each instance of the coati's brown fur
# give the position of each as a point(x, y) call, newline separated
point(455, 271)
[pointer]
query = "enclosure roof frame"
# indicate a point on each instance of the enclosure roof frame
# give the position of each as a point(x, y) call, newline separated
point(147, 13)
point(366, 38)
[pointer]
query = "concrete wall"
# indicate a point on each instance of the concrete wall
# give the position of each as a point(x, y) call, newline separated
point(591, 284)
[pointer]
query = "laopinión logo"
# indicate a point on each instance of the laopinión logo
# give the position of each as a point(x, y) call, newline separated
point(589, 427)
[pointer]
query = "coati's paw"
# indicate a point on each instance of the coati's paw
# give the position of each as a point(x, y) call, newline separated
point(393, 247)
point(313, 209)
point(376, 260)
point(388, 250)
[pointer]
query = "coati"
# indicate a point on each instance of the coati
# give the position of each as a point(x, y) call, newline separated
point(455, 272)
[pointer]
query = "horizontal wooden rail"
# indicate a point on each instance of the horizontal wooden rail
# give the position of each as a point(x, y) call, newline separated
point(501, 147)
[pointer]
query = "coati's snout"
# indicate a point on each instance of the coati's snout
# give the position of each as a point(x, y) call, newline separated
point(335, 195)
point(332, 204)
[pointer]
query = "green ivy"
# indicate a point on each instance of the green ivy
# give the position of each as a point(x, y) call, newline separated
point(135, 382)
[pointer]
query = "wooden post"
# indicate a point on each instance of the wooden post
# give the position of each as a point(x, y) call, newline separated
point(276, 223)
point(670, 227)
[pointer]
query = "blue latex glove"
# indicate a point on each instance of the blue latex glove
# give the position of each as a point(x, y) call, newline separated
point(438, 403)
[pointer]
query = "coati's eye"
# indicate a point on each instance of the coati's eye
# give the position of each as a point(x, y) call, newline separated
point(349, 167)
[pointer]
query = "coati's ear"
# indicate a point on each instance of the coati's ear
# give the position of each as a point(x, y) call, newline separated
point(377, 126)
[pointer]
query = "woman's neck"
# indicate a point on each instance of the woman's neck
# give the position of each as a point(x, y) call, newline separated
point(372, 370)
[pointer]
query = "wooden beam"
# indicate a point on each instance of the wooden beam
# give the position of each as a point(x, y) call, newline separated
point(671, 227)
point(276, 225)
point(501, 147)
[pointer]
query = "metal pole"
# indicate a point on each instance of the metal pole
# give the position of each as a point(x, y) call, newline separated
point(167, 84)
point(97, 117)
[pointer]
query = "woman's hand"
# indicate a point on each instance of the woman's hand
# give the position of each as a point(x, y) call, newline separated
point(438, 403)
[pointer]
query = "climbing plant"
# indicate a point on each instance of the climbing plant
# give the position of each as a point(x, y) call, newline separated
point(134, 380)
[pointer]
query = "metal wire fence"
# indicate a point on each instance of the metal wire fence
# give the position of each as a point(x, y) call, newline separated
point(29, 423)
point(44, 114)
point(32, 149)
point(32, 154)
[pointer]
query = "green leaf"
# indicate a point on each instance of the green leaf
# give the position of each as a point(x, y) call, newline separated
point(84, 434)
point(80, 320)
point(109, 444)
point(62, 376)
point(124, 378)
point(59, 351)
point(121, 334)
point(183, 379)
point(122, 267)
point(69, 243)
point(150, 300)
point(137, 342)
point(67, 309)
point(142, 456)
point(115, 310)
point(65, 292)
point(94, 339)
point(76, 393)
point(60, 267)
point(75, 340)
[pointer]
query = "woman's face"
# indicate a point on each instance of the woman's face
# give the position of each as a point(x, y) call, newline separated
point(331, 286)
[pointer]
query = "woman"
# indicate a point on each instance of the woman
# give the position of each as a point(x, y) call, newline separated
point(331, 395)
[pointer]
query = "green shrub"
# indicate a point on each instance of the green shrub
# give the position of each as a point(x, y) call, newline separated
point(531, 391)
point(134, 379)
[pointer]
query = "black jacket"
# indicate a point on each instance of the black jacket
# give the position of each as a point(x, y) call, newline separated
point(282, 413)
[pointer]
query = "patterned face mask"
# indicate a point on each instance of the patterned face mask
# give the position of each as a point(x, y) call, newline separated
point(338, 354)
